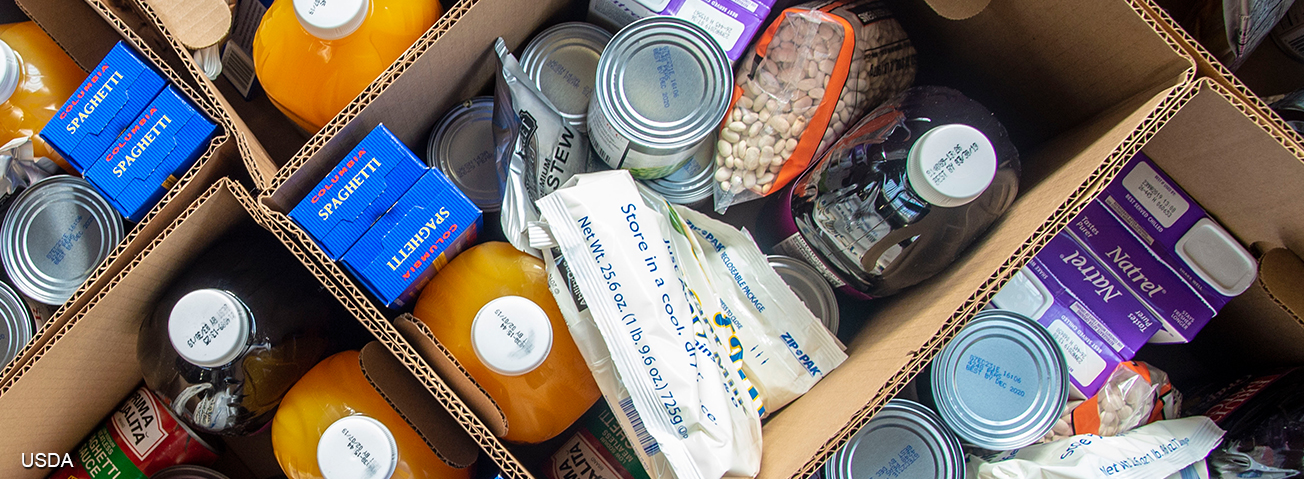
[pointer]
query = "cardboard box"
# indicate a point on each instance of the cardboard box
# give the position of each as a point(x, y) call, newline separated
point(112, 95)
point(159, 144)
point(88, 37)
point(362, 187)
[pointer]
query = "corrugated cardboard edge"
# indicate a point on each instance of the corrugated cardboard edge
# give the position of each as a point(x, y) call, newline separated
point(198, 24)
point(373, 90)
point(1210, 67)
point(355, 301)
point(449, 368)
point(133, 242)
point(404, 394)
point(1174, 97)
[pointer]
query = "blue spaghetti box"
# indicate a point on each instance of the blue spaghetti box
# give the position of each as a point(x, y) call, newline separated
point(429, 225)
point(151, 154)
point(358, 191)
point(113, 95)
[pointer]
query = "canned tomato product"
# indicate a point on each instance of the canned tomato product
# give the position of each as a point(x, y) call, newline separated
point(1001, 383)
point(16, 325)
point(808, 285)
point(55, 234)
point(563, 61)
point(462, 146)
point(904, 440)
point(188, 472)
point(663, 85)
point(690, 185)
point(138, 440)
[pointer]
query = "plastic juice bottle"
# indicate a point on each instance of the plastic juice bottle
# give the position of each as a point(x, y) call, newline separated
point(36, 77)
point(314, 56)
point(492, 309)
point(333, 424)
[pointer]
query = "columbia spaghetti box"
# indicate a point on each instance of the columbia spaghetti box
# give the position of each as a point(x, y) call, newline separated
point(364, 185)
point(429, 225)
point(147, 159)
point(114, 94)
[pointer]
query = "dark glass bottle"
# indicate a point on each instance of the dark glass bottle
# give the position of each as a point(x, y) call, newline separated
point(233, 332)
point(902, 194)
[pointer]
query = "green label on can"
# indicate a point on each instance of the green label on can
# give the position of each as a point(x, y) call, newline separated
point(103, 459)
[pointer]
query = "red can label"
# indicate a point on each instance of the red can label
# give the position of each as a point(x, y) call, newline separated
point(139, 439)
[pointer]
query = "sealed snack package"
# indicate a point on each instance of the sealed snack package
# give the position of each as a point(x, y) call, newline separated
point(814, 72)
point(1157, 450)
point(1136, 394)
point(693, 404)
point(1232, 29)
point(536, 150)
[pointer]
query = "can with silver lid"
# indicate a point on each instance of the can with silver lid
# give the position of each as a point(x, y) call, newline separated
point(691, 185)
point(1001, 383)
point(462, 146)
point(808, 285)
point(904, 440)
point(663, 86)
point(55, 234)
point(563, 62)
point(187, 471)
point(16, 325)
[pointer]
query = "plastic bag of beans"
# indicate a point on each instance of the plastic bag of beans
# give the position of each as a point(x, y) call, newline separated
point(815, 71)
point(1136, 394)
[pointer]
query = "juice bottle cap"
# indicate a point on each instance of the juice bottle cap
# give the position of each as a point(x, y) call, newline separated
point(357, 447)
point(11, 70)
point(511, 335)
point(951, 165)
point(331, 19)
point(209, 327)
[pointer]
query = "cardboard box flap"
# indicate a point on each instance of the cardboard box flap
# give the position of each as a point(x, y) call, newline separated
point(452, 372)
point(195, 23)
point(414, 404)
point(958, 9)
point(1280, 271)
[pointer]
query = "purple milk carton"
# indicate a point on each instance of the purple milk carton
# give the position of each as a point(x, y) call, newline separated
point(733, 23)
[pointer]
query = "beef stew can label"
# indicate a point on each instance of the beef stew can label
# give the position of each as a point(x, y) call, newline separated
point(140, 438)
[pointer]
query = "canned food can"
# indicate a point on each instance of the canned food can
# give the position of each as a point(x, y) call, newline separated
point(904, 440)
point(16, 325)
point(563, 62)
point(188, 472)
point(462, 146)
point(1001, 383)
point(690, 185)
point(55, 234)
point(139, 439)
point(810, 287)
point(663, 85)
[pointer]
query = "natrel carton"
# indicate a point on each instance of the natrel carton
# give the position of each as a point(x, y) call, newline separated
point(364, 185)
point(157, 147)
point(112, 96)
point(733, 23)
point(426, 228)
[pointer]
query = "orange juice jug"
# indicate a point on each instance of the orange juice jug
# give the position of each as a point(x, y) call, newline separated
point(36, 77)
point(314, 56)
point(492, 309)
point(333, 424)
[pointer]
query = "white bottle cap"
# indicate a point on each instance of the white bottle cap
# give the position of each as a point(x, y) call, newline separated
point(357, 447)
point(951, 165)
point(511, 335)
point(11, 71)
point(331, 19)
point(1217, 258)
point(209, 327)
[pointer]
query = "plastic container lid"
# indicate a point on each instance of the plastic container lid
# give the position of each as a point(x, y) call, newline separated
point(951, 165)
point(462, 146)
point(1001, 383)
point(810, 287)
point(511, 335)
point(16, 325)
point(331, 19)
point(904, 440)
point(357, 447)
point(1217, 258)
point(11, 71)
point(563, 61)
point(209, 327)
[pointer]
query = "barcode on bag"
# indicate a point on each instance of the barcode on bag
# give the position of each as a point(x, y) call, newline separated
point(649, 445)
point(238, 68)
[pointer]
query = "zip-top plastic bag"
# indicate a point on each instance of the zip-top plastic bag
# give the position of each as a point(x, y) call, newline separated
point(535, 149)
point(1135, 394)
point(814, 72)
